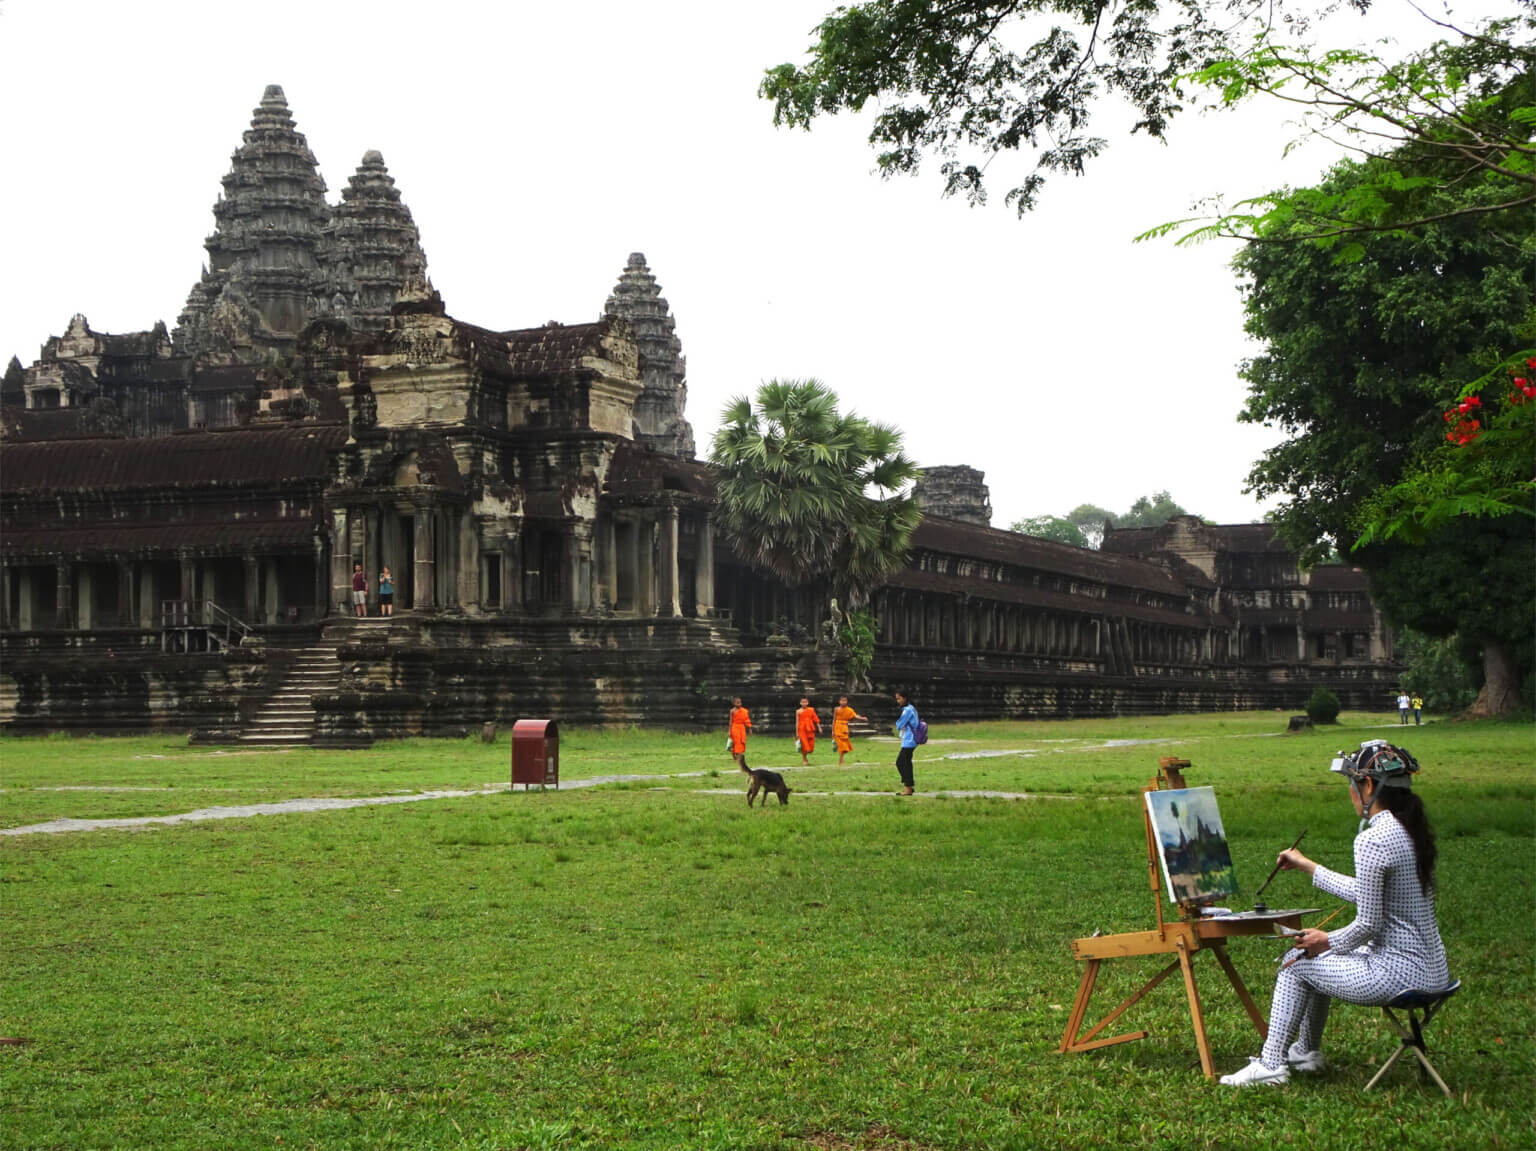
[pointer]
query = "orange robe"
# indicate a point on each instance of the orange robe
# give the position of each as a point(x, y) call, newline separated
point(840, 735)
point(740, 721)
point(806, 723)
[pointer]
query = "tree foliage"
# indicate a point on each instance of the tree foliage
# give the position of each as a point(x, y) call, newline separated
point(967, 80)
point(811, 495)
point(1150, 511)
point(1084, 526)
point(1483, 469)
point(1057, 528)
point(1453, 124)
point(1357, 359)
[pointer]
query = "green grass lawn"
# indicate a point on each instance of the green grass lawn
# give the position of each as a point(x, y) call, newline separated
point(651, 964)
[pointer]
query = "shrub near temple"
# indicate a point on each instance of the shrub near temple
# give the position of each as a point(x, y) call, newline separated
point(1323, 706)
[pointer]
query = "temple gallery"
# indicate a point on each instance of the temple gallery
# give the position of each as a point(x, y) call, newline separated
point(182, 512)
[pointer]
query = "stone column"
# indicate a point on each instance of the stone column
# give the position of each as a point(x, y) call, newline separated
point(322, 575)
point(147, 605)
point(422, 577)
point(26, 580)
point(270, 591)
point(704, 569)
point(608, 562)
point(124, 595)
point(575, 594)
point(63, 600)
point(341, 563)
point(373, 549)
point(252, 604)
point(85, 596)
point(209, 591)
point(632, 560)
point(645, 568)
point(511, 576)
point(670, 604)
point(7, 577)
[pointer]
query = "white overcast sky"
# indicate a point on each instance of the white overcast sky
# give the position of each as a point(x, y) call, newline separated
point(537, 144)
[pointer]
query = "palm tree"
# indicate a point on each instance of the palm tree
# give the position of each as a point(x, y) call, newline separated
point(810, 495)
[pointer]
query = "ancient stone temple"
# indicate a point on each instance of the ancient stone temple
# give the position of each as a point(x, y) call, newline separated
point(181, 514)
point(955, 493)
point(659, 419)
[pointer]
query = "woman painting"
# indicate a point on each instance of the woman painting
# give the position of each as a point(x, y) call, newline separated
point(1392, 946)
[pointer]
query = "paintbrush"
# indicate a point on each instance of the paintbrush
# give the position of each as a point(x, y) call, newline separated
point(1329, 918)
point(1258, 904)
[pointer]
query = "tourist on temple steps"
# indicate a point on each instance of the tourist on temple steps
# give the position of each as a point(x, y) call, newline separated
point(1392, 947)
point(359, 591)
point(906, 727)
point(386, 592)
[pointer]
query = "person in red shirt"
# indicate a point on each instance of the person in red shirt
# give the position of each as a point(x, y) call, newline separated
point(807, 725)
point(359, 591)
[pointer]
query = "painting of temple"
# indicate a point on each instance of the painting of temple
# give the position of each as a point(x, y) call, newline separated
point(181, 511)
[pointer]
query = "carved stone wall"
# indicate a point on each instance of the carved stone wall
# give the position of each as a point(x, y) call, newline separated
point(955, 493)
point(659, 419)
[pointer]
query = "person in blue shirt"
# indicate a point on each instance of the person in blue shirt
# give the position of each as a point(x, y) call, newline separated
point(906, 727)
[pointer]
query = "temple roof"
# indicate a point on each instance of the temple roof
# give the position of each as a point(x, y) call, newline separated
point(552, 350)
point(1034, 553)
point(1030, 596)
point(236, 456)
point(1223, 537)
point(637, 470)
point(264, 535)
point(1338, 577)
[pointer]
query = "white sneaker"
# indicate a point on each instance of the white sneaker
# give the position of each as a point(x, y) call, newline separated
point(1256, 1073)
point(1299, 1060)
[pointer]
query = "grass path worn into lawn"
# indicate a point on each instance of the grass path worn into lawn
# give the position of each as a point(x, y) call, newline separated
point(626, 966)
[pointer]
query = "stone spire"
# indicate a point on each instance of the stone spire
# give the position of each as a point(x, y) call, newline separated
point(374, 250)
point(266, 253)
point(659, 412)
point(955, 492)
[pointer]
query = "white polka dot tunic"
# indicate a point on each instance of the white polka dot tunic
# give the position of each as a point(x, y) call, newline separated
point(1392, 946)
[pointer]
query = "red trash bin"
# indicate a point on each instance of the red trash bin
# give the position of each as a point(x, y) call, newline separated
point(536, 753)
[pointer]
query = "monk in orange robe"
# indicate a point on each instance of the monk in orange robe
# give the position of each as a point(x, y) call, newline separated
point(807, 724)
point(740, 721)
point(840, 719)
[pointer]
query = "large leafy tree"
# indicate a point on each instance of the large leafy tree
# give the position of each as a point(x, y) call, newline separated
point(968, 81)
point(1084, 526)
point(1459, 113)
point(1358, 358)
point(811, 495)
point(965, 80)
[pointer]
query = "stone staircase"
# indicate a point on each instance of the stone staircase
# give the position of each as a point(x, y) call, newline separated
point(288, 716)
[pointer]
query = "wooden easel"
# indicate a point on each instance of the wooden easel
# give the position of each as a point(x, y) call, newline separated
point(1182, 938)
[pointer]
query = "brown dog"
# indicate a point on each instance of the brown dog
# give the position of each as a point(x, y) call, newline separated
point(764, 780)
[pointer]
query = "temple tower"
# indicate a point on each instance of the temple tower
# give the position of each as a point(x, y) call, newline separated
point(266, 254)
point(955, 493)
point(373, 249)
point(660, 421)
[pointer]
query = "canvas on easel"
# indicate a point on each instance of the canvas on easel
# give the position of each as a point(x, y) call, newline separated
point(1184, 832)
point(1191, 844)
